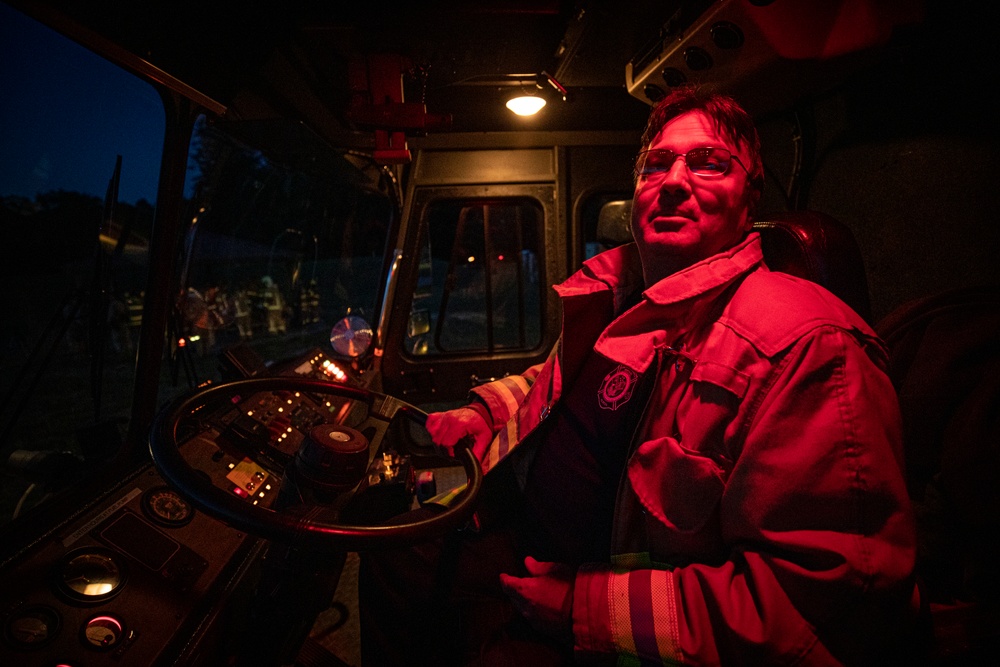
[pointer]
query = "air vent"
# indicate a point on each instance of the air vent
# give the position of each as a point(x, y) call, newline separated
point(706, 48)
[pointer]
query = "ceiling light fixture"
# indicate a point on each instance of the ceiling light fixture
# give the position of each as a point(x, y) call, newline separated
point(529, 101)
point(526, 105)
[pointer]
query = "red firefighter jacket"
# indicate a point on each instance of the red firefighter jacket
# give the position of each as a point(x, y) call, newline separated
point(763, 516)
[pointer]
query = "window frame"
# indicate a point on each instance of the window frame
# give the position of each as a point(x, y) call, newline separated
point(449, 376)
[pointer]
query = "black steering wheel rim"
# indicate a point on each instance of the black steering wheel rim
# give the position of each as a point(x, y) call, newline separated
point(302, 529)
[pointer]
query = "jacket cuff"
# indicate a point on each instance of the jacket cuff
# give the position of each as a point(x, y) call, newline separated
point(479, 407)
point(502, 398)
point(629, 612)
point(591, 614)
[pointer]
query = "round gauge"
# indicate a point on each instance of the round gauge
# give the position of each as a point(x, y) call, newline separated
point(103, 632)
point(91, 575)
point(32, 626)
point(166, 507)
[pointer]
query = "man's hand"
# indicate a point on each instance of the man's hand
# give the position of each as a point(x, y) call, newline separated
point(447, 428)
point(545, 597)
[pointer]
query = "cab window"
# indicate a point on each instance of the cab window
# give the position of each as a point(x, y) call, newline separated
point(82, 142)
point(479, 288)
point(283, 252)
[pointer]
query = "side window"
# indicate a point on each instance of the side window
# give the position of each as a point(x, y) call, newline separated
point(479, 289)
point(81, 146)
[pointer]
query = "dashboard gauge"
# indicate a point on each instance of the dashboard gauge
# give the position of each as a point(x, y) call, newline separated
point(31, 626)
point(103, 632)
point(166, 507)
point(91, 574)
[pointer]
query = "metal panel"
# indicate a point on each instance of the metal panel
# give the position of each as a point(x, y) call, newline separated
point(485, 166)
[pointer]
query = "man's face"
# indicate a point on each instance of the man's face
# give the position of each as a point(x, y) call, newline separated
point(680, 218)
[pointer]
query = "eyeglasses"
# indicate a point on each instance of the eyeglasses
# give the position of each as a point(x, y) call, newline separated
point(705, 161)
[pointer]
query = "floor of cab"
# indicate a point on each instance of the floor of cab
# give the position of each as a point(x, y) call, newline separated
point(335, 637)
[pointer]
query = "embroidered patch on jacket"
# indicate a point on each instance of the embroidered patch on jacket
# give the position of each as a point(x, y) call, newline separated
point(617, 387)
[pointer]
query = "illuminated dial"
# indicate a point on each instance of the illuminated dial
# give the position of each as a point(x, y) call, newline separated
point(103, 632)
point(91, 575)
point(165, 506)
point(32, 626)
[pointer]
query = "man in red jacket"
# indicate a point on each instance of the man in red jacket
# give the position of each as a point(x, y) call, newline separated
point(706, 470)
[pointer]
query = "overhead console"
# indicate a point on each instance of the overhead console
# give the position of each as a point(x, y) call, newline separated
point(754, 49)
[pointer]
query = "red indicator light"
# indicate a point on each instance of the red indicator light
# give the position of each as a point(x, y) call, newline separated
point(240, 492)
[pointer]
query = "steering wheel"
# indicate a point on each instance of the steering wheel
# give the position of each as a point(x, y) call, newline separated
point(305, 526)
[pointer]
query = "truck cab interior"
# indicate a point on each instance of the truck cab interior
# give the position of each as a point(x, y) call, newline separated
point(247, 250)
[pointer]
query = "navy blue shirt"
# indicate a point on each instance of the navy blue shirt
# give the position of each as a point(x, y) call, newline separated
point(573, 480)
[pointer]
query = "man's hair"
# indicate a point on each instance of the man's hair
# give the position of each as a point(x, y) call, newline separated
point(730, 119)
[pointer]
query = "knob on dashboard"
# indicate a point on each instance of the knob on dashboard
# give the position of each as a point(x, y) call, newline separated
point(331, 458)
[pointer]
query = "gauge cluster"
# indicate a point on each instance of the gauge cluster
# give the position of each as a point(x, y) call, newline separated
point(147, 573)
point(121, 584)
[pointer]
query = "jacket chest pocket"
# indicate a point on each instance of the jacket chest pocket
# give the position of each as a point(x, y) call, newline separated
point(678, 489)
point(695, 403)
point(678, 471)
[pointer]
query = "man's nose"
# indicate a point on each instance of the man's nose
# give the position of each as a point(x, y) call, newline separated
point(676, 178)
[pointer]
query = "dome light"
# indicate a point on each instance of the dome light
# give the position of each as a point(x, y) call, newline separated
point(525, 105)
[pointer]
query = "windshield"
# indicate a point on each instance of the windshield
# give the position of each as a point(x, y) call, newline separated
point(283, 252)
point(283, 242)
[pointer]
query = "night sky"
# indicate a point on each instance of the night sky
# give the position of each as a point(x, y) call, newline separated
point(65, 114)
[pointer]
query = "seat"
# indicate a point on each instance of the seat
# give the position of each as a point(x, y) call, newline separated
point(944, 352)
point(807, 244)
point(819, 248)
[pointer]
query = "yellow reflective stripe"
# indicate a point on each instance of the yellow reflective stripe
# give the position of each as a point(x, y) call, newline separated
point(445, 498)
point(620, 613)
point(665, 616)
point(492, 455)
point(502, 445)
point(510, 399)
point(632, 561)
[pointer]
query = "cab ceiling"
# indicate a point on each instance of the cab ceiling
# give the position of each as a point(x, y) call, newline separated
point(291, 58)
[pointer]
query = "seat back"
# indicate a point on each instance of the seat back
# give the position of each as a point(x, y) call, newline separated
point(819, 248)
point(944, 361)
point(944, 353)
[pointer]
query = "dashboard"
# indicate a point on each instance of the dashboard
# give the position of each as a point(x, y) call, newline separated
point(144, 576)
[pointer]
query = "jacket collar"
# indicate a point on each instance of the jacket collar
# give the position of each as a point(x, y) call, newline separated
point(667, 310)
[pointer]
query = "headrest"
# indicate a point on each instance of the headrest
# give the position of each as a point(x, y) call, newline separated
point(819, 248)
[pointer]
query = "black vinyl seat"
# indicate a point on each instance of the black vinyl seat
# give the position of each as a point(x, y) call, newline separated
point(819, 248)
point(944, 354)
